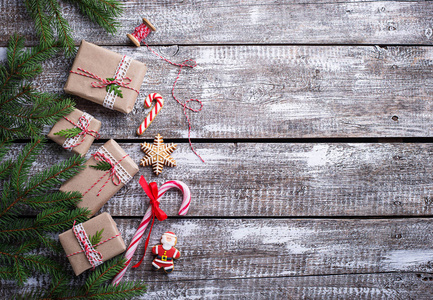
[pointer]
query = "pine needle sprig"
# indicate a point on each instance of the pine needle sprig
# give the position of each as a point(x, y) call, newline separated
point(21, 237)
point(96, 286)
point(5, 165)
point(102, 12)
point(54, 175)
point(59, 199)
point(24, 110)
point(50, 23)
point(37, 12)
point(102, 166)
point(96, 238)
point(69, 133)
point(62, 27)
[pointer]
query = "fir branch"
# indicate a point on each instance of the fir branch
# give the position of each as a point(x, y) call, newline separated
point(69, 133)
point(124, 290)
point(6, 165)
point(48, 19)
point(104, 273)
point(62, 27)
point(25, 111)
point(54, 175)
point(22, 165)
point(60, 199)
point(102, 166)
point(37, 12)
point(97, 285)
point(103, 13)
point(95, 239)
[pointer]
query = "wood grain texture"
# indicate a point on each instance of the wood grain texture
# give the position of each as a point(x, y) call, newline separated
point(303, 259)
point(247, 179)
point(292, 92)
point(249, 22)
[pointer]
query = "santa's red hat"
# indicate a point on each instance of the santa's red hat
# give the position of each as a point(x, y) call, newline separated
point(169, 233)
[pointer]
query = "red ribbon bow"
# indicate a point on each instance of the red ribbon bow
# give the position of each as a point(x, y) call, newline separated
point(82, 122)
point(151, 191)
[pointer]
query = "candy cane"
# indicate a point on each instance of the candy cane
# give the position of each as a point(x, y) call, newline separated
point(147, 218)
point(152, 114)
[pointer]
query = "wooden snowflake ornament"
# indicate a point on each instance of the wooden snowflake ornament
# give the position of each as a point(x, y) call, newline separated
point(158, 154)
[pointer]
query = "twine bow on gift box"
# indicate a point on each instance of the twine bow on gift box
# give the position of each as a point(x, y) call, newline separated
point(105, 164)
point(111, 84)
point(83, 123)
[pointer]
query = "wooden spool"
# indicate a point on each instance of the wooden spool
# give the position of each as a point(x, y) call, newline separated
point(133, 39)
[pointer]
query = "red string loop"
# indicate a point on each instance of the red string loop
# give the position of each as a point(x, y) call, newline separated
point(140, 33)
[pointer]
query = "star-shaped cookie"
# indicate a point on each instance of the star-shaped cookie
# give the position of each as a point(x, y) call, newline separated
point(158, 154)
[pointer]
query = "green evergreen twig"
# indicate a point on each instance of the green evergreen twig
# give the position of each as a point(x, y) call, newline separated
point(102, 166)
point(49, 21)
point(24, 110)
point(69, 133)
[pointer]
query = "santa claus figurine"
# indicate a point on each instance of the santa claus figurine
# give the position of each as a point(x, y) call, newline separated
point(165, 253)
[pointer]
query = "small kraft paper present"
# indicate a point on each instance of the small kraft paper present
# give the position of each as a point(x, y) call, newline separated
point(83, 125)
point(89, 244)
point(105, 173)
point(105, 77)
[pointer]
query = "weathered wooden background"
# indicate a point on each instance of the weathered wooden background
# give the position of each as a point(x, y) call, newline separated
point(317, 135)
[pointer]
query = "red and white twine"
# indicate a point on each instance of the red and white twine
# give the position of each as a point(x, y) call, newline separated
point(93, 256)
point(83, 123)
point(99, 156)
point(140, 33)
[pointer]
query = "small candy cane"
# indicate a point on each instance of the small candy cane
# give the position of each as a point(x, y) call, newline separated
point(148, 217)
point(152, 114)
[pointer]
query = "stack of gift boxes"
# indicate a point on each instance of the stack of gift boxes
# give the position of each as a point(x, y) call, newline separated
point(112, 80)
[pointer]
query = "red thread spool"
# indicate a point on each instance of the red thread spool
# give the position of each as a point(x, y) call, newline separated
point(141, 32)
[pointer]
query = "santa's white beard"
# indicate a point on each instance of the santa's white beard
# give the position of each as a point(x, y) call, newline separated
point(166, 244)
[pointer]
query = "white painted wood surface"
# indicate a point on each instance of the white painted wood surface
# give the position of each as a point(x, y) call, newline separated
point(251, 22)
point(272, 218)
point(283, 180)
point(276, 92)
point(296, 259)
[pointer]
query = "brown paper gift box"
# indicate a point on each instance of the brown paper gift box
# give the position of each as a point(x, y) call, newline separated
point(108, 249)
point(65, 124)
point(103, 63)
point(84, 180)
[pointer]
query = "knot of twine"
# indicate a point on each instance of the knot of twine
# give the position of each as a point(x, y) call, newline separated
point(83, 123)
point(101, 82)
point(112, 171)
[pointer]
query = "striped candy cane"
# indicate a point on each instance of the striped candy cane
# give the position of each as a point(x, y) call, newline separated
point(147, 219)
point(152, 114)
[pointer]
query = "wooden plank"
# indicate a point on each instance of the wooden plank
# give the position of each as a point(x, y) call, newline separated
point(310, 258)
point(255, 179)
point(294, 92)
point(401, 286)
point(249, 22)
